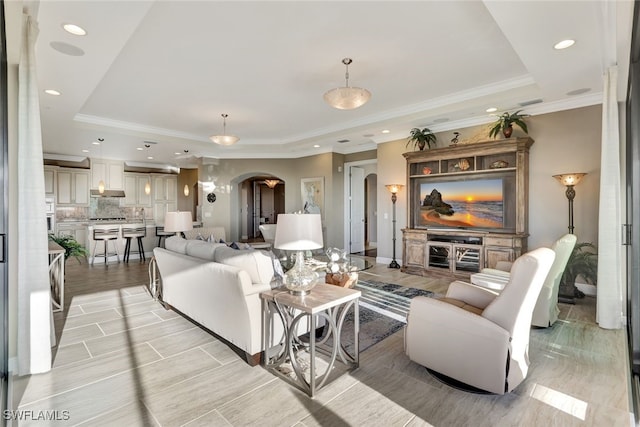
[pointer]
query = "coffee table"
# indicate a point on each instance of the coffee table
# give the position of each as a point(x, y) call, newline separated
point(327, 302)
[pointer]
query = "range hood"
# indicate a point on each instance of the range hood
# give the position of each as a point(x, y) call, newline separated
point(107, 193)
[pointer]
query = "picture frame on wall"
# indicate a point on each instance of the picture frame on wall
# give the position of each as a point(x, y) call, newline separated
point(313, 195)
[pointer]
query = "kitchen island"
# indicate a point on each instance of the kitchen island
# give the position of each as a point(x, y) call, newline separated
point(82, 231)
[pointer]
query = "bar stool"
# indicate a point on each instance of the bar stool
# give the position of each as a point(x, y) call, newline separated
point(161, 234)
point(106, 234)
point(133, 231)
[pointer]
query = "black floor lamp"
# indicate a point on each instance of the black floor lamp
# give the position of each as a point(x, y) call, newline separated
point(570, 180)
point(568, 291)
point(394, 188)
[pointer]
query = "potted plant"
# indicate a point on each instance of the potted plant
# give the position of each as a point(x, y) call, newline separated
point(71, 246)
point(421, 138)
point(505, 124)
point(582, 262)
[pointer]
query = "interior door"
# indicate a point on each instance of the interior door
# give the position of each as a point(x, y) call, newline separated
point(356, 198)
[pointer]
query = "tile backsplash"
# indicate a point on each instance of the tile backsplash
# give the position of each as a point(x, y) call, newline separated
point(103, 207)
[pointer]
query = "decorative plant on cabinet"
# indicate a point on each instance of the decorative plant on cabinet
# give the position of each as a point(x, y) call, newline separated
point(505, 124)
point(421, 137)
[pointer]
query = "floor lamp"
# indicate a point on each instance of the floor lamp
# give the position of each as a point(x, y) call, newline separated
point(570, 180)
point(394, 188)
point(568, 292)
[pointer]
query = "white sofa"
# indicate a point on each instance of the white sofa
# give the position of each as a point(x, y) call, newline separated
point(217, 287)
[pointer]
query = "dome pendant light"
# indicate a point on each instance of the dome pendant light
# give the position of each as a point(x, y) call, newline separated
point(224, 139)
point(347, 97)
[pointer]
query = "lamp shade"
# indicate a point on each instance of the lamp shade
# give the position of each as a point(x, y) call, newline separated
point(394, 188)
point(347, 98)
point(298, 232)
point(569, 178)
point(175, 222)
point(224, 139)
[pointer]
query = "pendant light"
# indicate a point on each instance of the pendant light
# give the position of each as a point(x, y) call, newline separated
point(224, 139)
point(347, 97)
point(101, 182)
point(186, 190)
point(147, 188)
point(271, 183)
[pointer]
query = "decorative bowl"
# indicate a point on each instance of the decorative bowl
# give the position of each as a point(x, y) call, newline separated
point(464, 164)
point(498, 164)
point(426, 171)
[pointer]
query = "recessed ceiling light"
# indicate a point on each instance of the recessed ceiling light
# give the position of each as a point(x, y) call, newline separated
point(386, 131)
point(177, 153)
point(95, 143)
point(150, 157)
point(52, 92)
point(85, 151)
point(564, 44)
point(491, 110)
point(76, 30)
point(139, 148)
point(316, 146)
point(578, 91)
point(66, 48)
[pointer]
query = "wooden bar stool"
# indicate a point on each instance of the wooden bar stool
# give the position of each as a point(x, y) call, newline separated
point(134, 231)
point(106, 234)
point(161, 234)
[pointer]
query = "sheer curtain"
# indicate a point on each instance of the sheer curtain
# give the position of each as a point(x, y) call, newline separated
point(34, 304)
point(610, 286)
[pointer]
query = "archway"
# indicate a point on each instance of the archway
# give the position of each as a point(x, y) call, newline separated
point(259, 200)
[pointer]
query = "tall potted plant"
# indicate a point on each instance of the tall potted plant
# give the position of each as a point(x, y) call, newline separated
point(71, 246)
point(421, 138)
point(582, 262)
point(505, 124)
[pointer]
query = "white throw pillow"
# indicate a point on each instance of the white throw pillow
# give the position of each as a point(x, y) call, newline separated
point(176, 244)
point(256, 263)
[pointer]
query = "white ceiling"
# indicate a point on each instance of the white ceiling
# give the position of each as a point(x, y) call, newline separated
point(165, 71)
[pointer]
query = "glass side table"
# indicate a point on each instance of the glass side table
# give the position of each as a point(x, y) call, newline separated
point(282, 309)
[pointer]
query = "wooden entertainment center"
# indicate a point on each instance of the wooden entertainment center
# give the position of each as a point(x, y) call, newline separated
point(474, 235)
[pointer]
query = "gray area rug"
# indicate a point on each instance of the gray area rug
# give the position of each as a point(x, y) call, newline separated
point(383, 311)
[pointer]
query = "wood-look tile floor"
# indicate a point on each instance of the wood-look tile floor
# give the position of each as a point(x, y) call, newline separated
point(123, 360)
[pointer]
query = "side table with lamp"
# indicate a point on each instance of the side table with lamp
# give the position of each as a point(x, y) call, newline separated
point(301, 307)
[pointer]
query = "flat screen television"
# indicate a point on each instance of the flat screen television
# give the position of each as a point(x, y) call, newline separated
point(474, 202)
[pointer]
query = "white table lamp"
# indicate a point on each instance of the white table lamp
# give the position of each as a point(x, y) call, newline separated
point(177, 222)
point(299, 232)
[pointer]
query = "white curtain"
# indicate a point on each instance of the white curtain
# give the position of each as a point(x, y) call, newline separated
point(610, 286)
point(34, 303)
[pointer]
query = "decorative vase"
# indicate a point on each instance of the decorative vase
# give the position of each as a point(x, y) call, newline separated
point(507, 131)
point(421, 145)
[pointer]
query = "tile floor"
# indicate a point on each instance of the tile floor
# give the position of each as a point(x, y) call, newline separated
point(122, 360)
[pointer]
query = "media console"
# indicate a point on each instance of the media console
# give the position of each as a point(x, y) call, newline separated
point(474, 241)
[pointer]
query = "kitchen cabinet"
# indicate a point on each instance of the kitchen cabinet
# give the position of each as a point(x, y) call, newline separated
point(49, 181)
point(77, 230)
point(134, 186)
point(73, 187)
point(109, 171)
point(165, 196)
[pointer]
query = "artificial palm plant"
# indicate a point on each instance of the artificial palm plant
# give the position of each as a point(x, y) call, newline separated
point(421, 138)
point(505, 124)
point(582, 262)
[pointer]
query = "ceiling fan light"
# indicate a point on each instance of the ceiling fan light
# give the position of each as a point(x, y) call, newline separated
point(347, 98)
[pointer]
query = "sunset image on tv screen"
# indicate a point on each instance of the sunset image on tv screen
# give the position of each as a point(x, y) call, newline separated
point(474, 203)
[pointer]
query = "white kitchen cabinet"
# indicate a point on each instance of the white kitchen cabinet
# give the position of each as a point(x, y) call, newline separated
point(109, 171)
point(165, 196)
point(49, 181)
point(73, 187)
point(134, 190)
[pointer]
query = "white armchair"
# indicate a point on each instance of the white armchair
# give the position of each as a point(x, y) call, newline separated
point(268, 232)
point(475, 335)
point(546, 310)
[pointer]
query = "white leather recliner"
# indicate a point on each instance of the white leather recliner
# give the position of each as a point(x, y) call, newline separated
point(546, 310)
point(475, 335)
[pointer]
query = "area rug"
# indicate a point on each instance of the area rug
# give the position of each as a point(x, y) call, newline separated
point(383, 311)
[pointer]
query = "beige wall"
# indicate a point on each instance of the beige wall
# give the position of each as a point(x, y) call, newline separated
point(567, 141)
point(187, 177)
